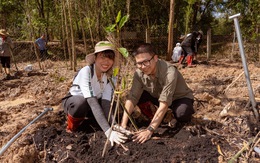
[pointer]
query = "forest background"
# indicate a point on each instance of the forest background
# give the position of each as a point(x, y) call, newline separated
point(71, 24)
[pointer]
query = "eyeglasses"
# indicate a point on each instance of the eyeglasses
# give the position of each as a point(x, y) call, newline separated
point(144, 63)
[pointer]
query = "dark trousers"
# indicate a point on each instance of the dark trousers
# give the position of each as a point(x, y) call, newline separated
point(76, 106)
point(5, 61)
point(182, 108)
point(44, 54)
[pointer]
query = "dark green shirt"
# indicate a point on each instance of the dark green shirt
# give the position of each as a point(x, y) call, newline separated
point(168, 84)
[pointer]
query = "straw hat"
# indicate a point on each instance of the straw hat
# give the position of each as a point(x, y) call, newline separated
point(99, 47)
point(3, 32)
point(103, 45)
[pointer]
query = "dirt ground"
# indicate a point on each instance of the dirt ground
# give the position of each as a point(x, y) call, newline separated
point(223, 126)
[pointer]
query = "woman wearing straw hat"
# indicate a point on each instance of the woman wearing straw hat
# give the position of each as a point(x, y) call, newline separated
point(91, 91)
point(5, 52)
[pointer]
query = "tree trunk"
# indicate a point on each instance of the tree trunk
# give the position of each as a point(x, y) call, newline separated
point(67, 32)
point(83, 31)
point(194, 15)
point(208, 44)
point(32, 33)
point(170, 35)
point(74, 57)
point(147, 30)
point(63, 31)
point(99, 9)
point(89, 26)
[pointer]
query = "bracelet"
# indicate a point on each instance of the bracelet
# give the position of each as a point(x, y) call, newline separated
point(150, 128)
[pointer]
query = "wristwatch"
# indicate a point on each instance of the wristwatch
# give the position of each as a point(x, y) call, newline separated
point(150, 128)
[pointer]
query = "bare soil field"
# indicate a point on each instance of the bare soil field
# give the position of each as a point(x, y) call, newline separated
point(223, 128)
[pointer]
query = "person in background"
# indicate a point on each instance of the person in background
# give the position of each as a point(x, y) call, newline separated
point(6, 46)
point(41, 43)
point(91, 91)
point(190, 46)
point(176, 53)
point(160, 83)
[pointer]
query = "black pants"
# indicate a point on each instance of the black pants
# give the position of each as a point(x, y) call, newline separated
point(76, 106)
point(182, 108)
point(44, 54)
point(5, 61)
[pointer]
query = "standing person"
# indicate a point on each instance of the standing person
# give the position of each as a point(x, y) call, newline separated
point(176, 52)
point(159, 82)
point(41, 43)
point(92, 92)
point(190, 46)
point(6, 45)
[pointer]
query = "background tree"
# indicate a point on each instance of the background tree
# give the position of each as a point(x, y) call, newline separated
point(89, 18)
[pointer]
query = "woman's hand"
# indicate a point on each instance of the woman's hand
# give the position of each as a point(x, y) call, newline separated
point(142, 136)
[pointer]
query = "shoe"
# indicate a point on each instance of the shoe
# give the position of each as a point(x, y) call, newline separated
point(189, 61)
point(195, 62)
point(181, 59)
point(8, 77)
point(73, 123)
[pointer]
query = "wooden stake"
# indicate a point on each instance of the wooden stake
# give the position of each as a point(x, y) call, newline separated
point(113, 121)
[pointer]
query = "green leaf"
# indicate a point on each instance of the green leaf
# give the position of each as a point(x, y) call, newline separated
point(118, 17)
point(115, 71)
point(124, 52)
point(123, 21)
point(111, 28)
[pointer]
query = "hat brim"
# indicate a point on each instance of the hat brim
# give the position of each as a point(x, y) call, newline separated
point(90, 58)
point(104, 49)
point(5, 34)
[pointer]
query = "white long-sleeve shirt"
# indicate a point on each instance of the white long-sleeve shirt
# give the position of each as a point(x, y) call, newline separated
point(87, 85)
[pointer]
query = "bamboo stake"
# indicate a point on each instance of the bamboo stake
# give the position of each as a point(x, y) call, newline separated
point(252, 148)
point(113, 121)
point(111, 107)
point(122, 105)
point(245, 147)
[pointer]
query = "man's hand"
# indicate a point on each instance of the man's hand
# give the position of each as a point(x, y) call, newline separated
point(115, 137)
point(142, 136)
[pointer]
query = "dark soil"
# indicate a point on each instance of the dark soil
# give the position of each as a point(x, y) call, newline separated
point(169, 145)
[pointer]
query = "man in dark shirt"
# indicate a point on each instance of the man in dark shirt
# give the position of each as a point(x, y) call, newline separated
point(190, 46)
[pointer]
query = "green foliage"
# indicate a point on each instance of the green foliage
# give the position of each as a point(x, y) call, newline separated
point(222, 26)
point(188, 15)
point(119, 23)
point(115, 71)
point(124, 52)
point(15, 16)
point(111, 28)
point(123, 21)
